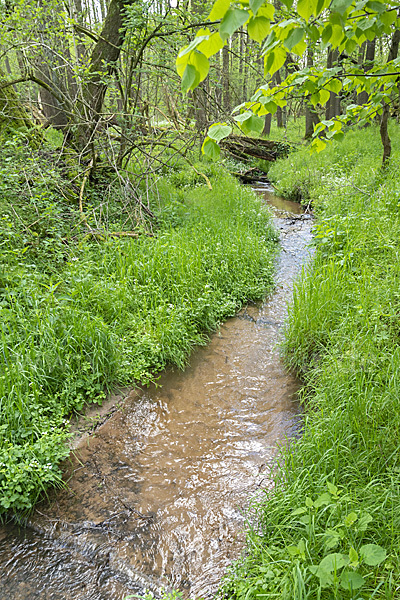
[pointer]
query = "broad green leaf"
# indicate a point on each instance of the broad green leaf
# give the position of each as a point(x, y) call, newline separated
point(232, 21)
point(322, 500)
point(298, 511)
point(243, 116)
point(337, 35)
point(353, 556)
point(372, 554)
point(190, 79)
point(258, 28)
point(351, 45)
point(351, 580)
point(275, 60)
point(295, 36)
point(210, 148)
point(218, 131)
point(306, 8)
point(269, 107)
point(333, 562)
point(332, 489)
point(267, 11)
point(388, 18)
point(300, 48)
point(309, 503)
point(293, 550)
point(200, 62)
point(326, 34)
point(350, 519)
point(321, 5)
point(325, 577)
point(212, 45)
point(255, 5)
point(363, 522)
point(219, 9)
point(340, 6)
point(193, 44)
point(375, 6)
point(318, 144)
point(249, 122)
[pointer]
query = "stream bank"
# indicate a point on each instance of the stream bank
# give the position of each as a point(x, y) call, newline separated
point(157, 496)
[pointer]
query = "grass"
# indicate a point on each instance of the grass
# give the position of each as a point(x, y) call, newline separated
point(331, 527)
point(78, 315)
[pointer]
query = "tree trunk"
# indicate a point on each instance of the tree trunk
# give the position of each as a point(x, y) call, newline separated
point(368, 63)
point(279, 113)
point(387, 146)
point(312, 117)
point(102, 63)
point(333, 104)
point(226, 97)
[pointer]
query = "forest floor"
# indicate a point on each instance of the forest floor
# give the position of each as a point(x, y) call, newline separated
point(82, 313)
point(331, 527)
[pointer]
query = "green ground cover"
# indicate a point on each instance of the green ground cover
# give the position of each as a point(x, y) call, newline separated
point(330, 529)
point(79, 314)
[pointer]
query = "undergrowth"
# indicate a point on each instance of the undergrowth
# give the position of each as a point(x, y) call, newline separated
point(80, 313)
point(330, 529)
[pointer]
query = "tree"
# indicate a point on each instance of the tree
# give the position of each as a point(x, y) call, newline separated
point(340, 26)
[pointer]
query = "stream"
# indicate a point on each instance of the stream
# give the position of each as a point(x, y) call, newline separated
point(156, 496)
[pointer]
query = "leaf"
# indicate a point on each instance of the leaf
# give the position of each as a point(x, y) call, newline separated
point(334, 85)
point(210, 149)
point(190, 78)
point(275, 60)
point(193, 44)
point(363, 522)
point(233, 19)
point(218, 131)
point(219, 9)
point(258, 28)
point(252, 125)
point(322, 500)
point(353, 556)
point(201, 64)
point(337, 35)
point(325, 578)
point(351, 580)
point(255, 5)
point(267, 11)
point(350, 519)
point(324, 96)
point(333, 562)
point(372, 554)
point(305, 8)
point(298, 511)
point(332, 489)
point(340, 6)
point(295, 36)
point(212, 45)
point(309, 503)
point(270, 107)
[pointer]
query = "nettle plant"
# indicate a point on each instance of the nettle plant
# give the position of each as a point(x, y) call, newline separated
point(329, 558)
point(286, 35)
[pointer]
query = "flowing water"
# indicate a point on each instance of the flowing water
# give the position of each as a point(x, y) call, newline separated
point(156, 497)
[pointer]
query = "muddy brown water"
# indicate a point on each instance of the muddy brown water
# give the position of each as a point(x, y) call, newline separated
point(157, 496)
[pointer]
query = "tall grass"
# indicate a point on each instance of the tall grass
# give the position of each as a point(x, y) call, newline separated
point(337, 494)
point(114, 310)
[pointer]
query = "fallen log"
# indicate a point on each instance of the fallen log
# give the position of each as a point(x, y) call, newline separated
point(245, 147)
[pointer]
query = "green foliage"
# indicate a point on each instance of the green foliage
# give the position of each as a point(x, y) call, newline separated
point(331, 526)
point(342, 24)
point(79, 314)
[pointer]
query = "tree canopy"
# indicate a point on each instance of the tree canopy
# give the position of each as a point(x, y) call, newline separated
point(285, 33)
